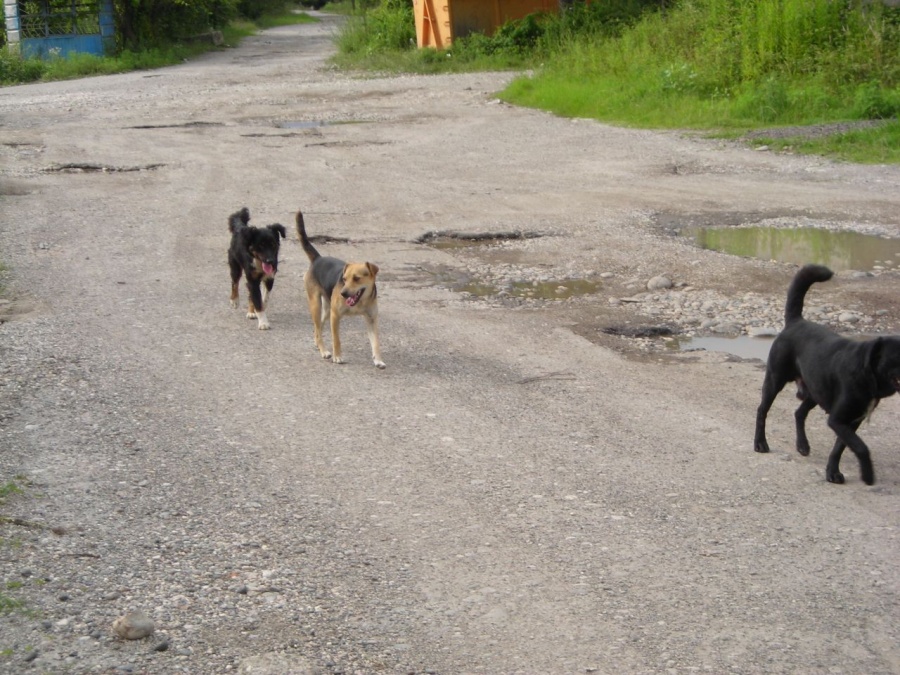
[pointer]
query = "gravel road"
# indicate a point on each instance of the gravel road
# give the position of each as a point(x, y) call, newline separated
point(518, 492)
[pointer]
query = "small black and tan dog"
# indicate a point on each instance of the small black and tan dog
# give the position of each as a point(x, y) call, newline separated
point(253, 253)
point(847, 378)
point(335, 289)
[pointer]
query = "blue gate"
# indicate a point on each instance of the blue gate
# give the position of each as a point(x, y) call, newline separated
point(51, 28)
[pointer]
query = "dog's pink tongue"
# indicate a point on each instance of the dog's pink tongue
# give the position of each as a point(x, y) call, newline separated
point(268, 269)
point(351, 300)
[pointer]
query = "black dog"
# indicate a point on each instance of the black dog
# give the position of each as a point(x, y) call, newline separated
point(253, 253)
point(846, 378)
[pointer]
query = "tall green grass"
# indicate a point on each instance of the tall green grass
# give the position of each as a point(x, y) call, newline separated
point(730, 63)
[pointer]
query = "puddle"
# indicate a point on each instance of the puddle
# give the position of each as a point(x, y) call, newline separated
point(744, 346)
point(556, 289)
point(838, 250)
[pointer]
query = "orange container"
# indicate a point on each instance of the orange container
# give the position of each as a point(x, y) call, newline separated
point(439, 22)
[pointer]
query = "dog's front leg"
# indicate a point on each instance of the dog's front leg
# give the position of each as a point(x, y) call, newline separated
point(336, 336)
point(847, 437)
point(372, 329)
point(268, 284)
point(256, 309)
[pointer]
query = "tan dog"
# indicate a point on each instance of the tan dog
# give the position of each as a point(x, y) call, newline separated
point(336, 288)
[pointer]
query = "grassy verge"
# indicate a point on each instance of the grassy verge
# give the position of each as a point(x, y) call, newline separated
point(723, 66)
point(16, 70)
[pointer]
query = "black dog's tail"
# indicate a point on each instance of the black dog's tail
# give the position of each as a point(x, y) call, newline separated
point(238, 220)
point(311, 251)
point(806, 277)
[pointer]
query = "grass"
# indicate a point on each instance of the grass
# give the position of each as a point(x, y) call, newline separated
point(723, 66)
point(880, 145)
point(10, 488)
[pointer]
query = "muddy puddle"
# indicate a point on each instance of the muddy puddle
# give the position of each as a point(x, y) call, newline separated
point(839, 250)
point(556, 289)
point(744, 346)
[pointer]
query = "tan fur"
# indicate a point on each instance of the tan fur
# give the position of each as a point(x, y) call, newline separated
point(356, 276)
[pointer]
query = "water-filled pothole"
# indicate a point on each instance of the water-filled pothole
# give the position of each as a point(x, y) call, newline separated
point(839, 250)
point(743, 346)
point(462, 281)
point(449, 239)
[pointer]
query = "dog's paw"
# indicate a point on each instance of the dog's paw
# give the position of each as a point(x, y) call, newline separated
point(803, 449)
point(834, 476)
point(251, 314)
point(263, 325)
point(337, 359)
point(234, 304)
point(761, 445)
point(868, 475)
point(379, 364)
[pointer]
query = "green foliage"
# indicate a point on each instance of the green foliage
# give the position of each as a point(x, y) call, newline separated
point(872, 101)
point(144, 24)
point(729, 64)
point(388, 27)
point(15, 70)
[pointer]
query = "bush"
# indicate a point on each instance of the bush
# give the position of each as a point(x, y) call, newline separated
point(874, 102)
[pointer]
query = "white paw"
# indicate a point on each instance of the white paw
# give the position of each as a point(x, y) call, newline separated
point(264, 325)
point(379, 364)
point(337, 359)
point(234, 304)
point(251, 314)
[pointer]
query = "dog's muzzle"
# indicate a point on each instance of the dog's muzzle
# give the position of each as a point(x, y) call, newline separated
point(352, 299)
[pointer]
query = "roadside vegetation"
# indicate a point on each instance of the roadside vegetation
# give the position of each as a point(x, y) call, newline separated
point(8, 490)
point(721, 66)
point(154, 34)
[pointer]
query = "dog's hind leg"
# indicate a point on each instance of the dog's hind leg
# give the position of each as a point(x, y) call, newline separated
point(847, 437)
point(800, 415)
point(317, 312)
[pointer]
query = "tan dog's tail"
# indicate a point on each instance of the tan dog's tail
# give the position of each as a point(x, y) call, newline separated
point(311, 251)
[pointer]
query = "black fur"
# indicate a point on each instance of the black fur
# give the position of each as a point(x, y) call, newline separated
point(846, 378)
point(254, 254)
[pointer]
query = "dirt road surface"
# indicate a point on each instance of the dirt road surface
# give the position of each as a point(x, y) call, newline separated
point(517, 492)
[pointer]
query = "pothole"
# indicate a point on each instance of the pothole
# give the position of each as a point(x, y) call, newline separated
point(839, 250)
point(670, 340)
point(789, 238)
point(86, 167)
point(450, 239)
point(178, 125)
point(742, 346)
point(478, 287)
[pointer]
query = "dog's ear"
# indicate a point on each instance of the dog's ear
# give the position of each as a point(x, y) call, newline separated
point(278, 228)
point(373, 269)
point(343, 273)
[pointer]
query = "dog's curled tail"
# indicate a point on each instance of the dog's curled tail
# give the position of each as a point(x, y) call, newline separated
point(238, 220)
point(311, 251)
point(806, 277)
